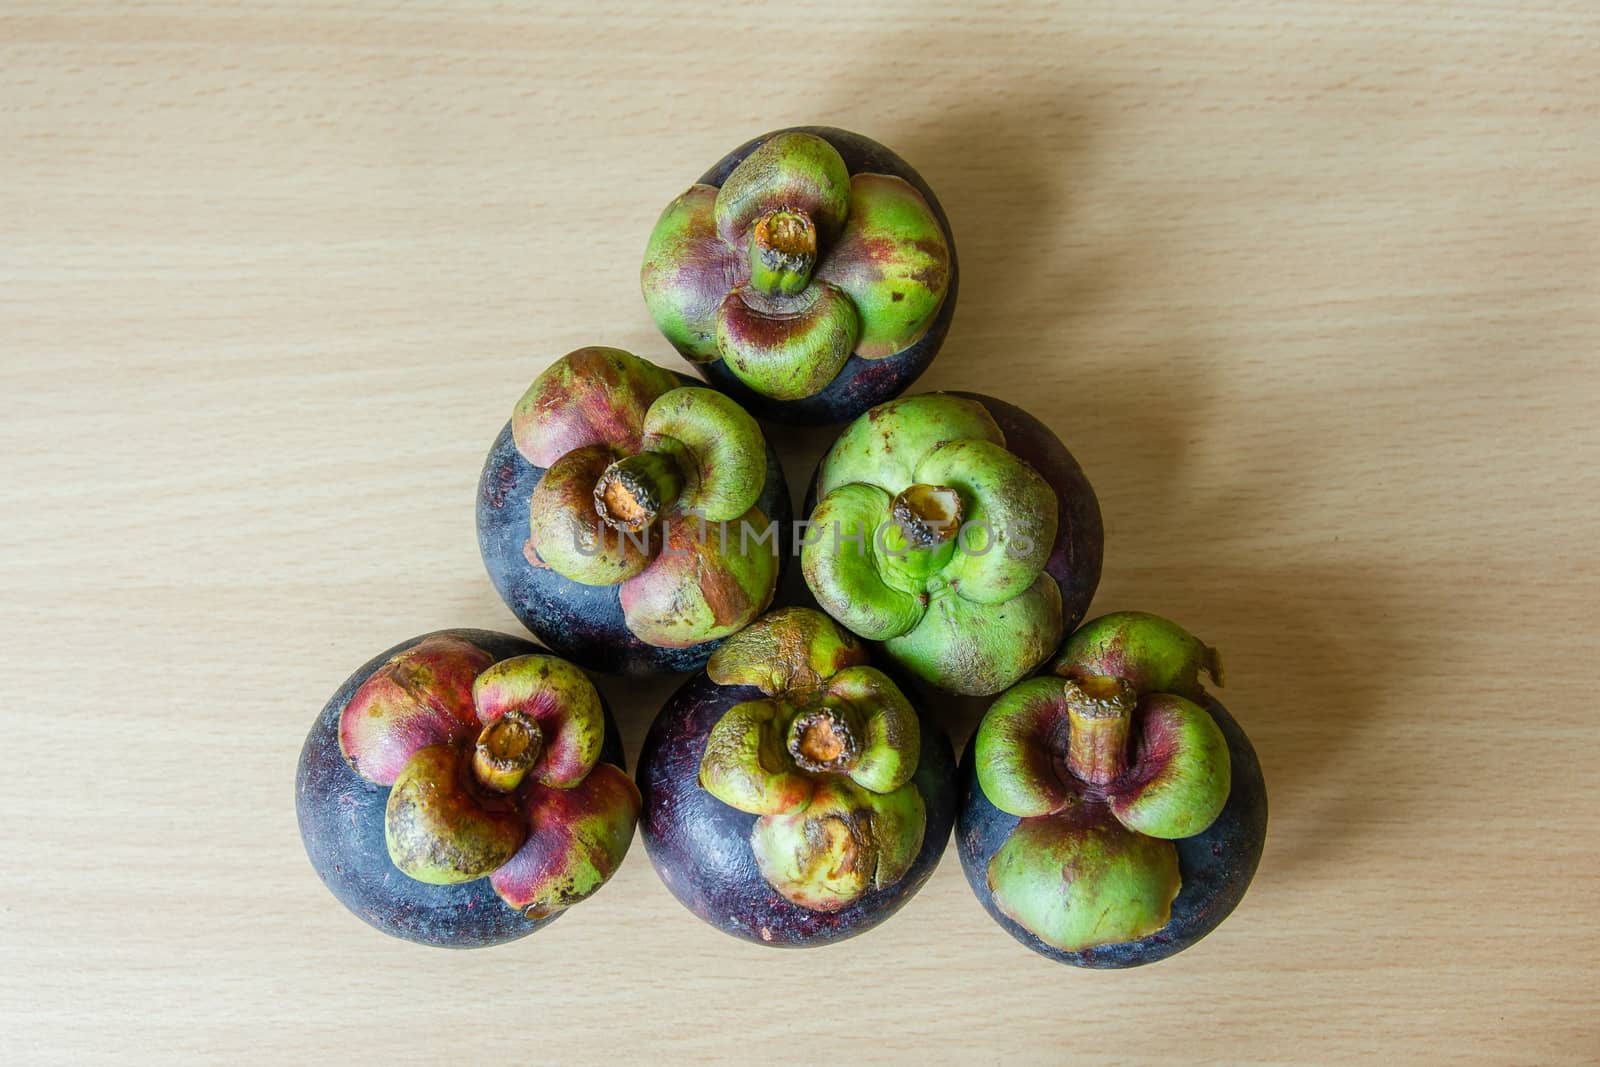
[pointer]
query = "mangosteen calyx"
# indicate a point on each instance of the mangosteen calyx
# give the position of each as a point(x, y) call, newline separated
point(793, 265)
point(825, 759)
point(1104, 772)
point(652, 487)
point(930, 536)
point(483, 760)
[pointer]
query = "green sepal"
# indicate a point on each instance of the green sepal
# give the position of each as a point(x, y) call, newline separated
point(846, 842)
point(745, 764)
point(688, 269)
point(1180, 775)
point(437, 831)
point(791, 171)
point(1014, 751)
point(893, 261)
point(885, 446)
point(567, 533)
point(905, 566)
point(787, 347)
point(790, 648)
point(1080, 879)
point(718, 447)
point(891, 734)
point(841, 567)
point(1010, 526)
point(561, 701)
point(979, 649)
point(708, 581)
point(1153, 654)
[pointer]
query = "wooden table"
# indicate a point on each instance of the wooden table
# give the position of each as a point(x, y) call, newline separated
point(1310, 288)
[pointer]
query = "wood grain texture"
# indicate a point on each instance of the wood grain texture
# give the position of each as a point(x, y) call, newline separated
point(1311, 288)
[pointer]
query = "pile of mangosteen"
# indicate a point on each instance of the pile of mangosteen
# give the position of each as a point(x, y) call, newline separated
point(465, 788)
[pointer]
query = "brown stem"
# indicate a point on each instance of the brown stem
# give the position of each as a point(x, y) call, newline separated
point(633, 491)
point(824, 739)
point(928, 515)
point(505, 750)
point(1100, 710)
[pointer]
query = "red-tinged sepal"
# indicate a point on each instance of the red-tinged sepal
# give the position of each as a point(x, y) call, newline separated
point(561, 700)
point(577, 838)
point(421, 697)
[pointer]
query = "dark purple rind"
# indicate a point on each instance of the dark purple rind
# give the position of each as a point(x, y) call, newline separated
point(1216, 866)
point(341, 823)
point(701, 847)
point(1080, 535)
point(860, 383)
point(584, 623)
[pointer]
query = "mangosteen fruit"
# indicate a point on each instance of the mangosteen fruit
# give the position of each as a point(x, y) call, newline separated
point(464, 789)
point(793, 795)
point(959, 532)
point(628, 519)
point(810, 274)
point(1113, 812)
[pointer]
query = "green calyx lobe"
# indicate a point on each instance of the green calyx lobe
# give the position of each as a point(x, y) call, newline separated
point(920, 538)
point(884, 446)
point(790, 648)
point(846, 842)
point(717, 447)
point(826, 759)
point(566, 531)
point(441, 831)
point(1011, 518)
point(840, 560)
point(686, 272)
point(798, 173)
point(1151, 653)
point(1076, 881)
point(892, 261)
point(1104, 774)
point(929, 535)
point(975, 649)
point(787, 347)
point(793, 265)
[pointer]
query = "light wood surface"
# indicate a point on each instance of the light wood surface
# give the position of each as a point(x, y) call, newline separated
point(1312, 289)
